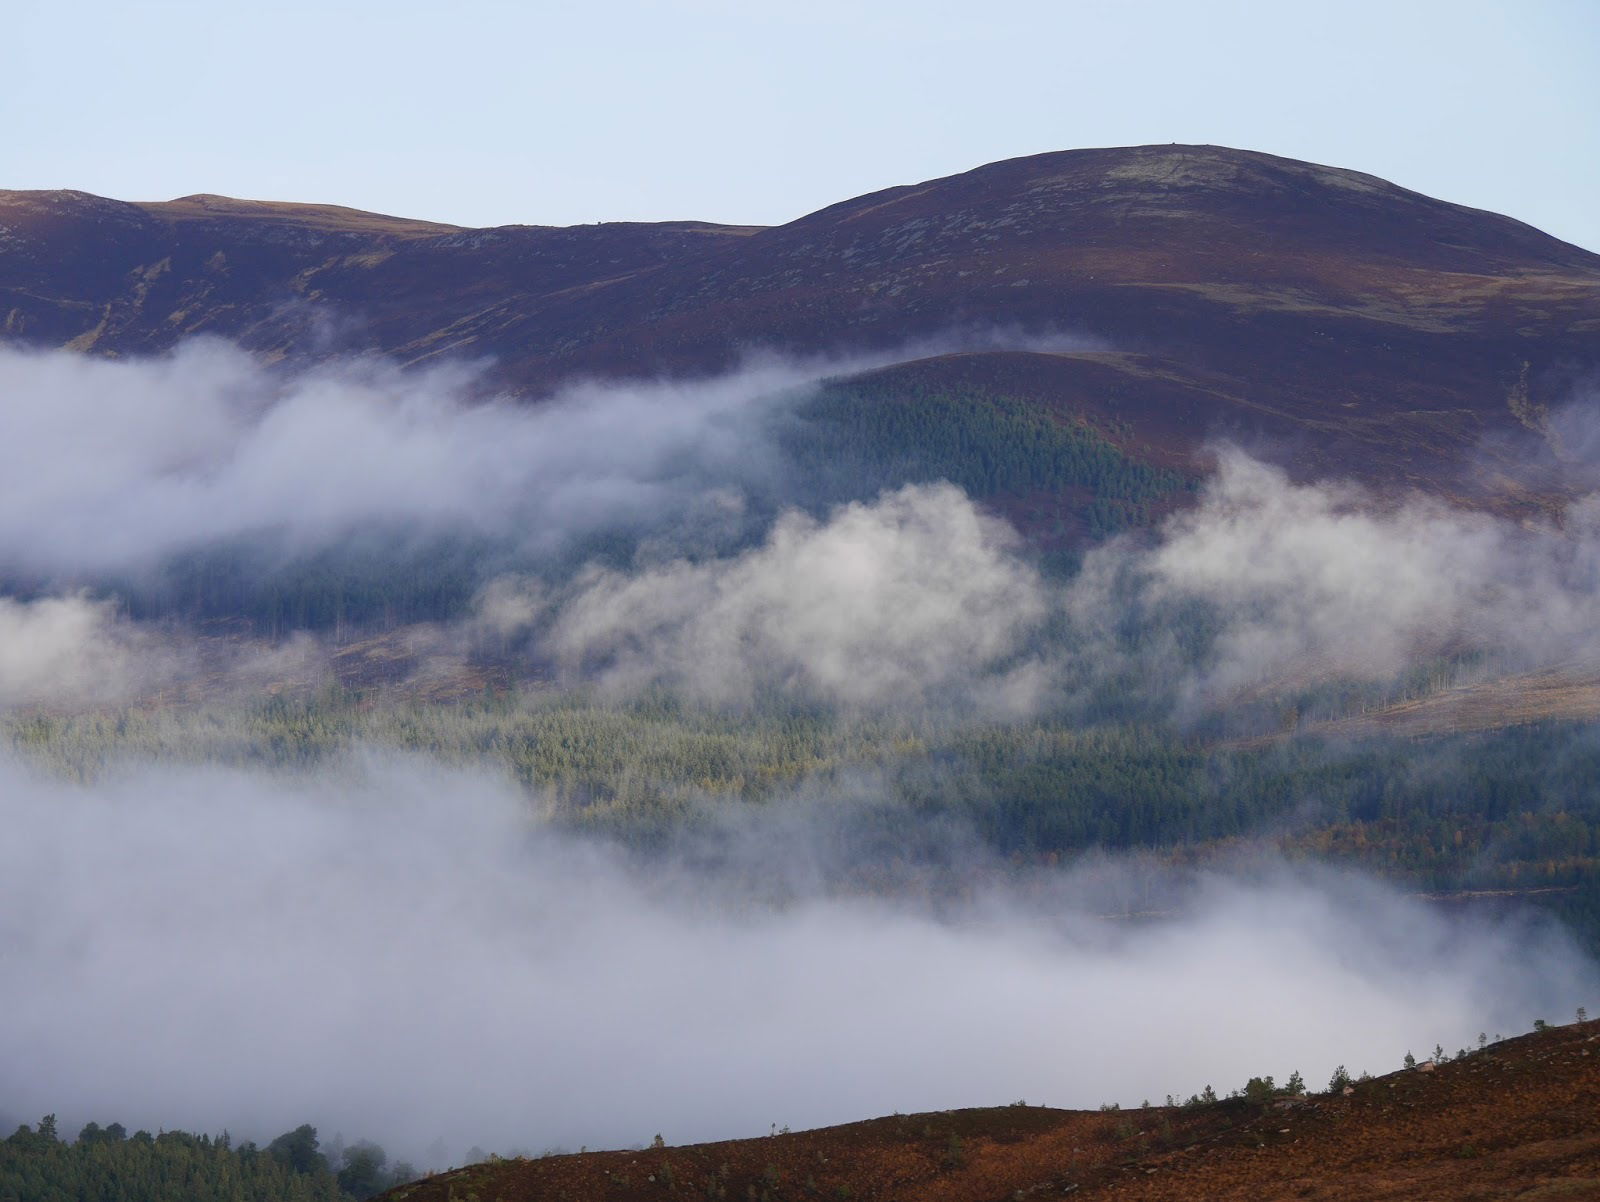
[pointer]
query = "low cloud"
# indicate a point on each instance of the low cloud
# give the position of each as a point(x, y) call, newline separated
point(74, 651)
point(887, 604)
point(395, 949)
point(920, 599)
point(398, 950)
point(1287, 582)
point(921, 595)
point(113, 466)
point(108, 469)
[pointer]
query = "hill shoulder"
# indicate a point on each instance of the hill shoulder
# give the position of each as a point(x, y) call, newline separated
point(1514, 1119)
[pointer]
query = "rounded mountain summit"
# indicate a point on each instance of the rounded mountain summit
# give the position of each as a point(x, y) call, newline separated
point(1166, 294)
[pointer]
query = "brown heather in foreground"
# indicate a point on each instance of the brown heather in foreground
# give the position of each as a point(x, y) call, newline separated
point(1518, 1119)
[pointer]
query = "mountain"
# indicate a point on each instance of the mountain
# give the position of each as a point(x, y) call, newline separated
point(1514, 1119)
point(1165, 294)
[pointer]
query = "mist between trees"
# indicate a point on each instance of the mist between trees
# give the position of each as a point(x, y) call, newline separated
point(380, 780)
point(389, 946)
point(1509, 810)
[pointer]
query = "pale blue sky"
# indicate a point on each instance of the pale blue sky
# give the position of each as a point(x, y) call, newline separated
point(481, 112)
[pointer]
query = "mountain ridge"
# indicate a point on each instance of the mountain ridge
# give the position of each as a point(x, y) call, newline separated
point(1364, 329)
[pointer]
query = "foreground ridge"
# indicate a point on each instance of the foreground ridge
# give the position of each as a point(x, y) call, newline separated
point(1517, 1118)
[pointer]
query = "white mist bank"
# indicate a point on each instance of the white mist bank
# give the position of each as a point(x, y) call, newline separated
point(110, 466)
point(920, 600)
point(920, 597)
point(882, 605)
point(916, 598)
point(402, 951)
point(72, 650)
point(114, 465)
point(1328, 579)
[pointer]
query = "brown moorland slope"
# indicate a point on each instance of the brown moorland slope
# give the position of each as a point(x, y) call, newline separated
point(1518, 1119)
point(1351, 325)
point(289, 280)
point(1570, 693)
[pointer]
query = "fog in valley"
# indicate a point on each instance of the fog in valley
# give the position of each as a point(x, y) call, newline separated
point(417, 949)
point(396, 950)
